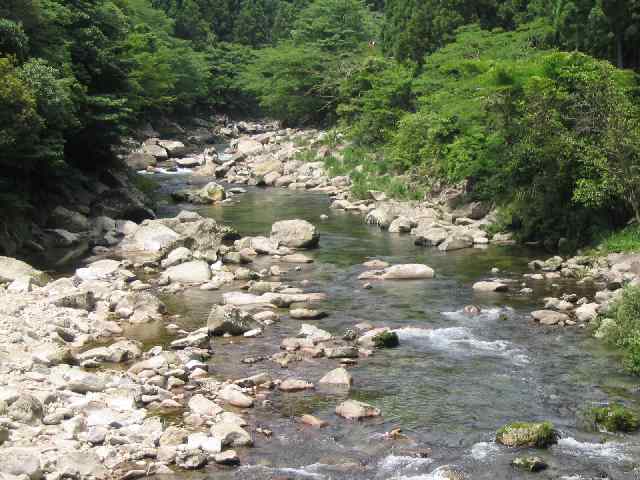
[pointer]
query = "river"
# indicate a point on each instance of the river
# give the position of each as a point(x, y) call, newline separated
point(452, 382)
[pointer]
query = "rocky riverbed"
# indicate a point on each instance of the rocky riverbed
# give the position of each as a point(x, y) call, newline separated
point(269, 341)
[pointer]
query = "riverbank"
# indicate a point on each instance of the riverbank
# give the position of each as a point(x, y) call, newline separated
point(84, 400)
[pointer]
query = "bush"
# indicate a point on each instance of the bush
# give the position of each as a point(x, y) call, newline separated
point(613, 418)
point(625, 331)
point(386, 339)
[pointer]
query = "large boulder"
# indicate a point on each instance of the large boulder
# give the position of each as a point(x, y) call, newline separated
point(22, 462)
point(457, 241)
point(195, 271)
point(408, 272)
point(141, 160)
point(12, 269)
point(151, 147)
point(123, 203)
point(174, 148)
point(213, 191)
point(381, 216)
point(68, 220)
point(268, 166)
point(430, 237)
point(153, 236)
point(295, 234)
point(248, 146)
point(228, 319)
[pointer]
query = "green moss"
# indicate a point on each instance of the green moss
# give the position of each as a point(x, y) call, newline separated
point(522, 434)
point(614, 418)
point(386, 339)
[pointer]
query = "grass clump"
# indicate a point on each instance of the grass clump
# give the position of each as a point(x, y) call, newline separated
point(614, 418)
point(386, 339)
point(523, 434)
point(622, 241)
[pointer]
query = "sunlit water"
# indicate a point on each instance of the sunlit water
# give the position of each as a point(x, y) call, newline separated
point(450, 385)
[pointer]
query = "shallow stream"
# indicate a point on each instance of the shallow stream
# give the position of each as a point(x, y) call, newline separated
point(450, 385)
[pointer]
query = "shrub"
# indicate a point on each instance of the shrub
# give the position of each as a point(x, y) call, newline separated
point(625, 331)
point(614, 418)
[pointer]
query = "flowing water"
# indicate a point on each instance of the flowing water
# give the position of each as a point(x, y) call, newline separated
point(450, 385)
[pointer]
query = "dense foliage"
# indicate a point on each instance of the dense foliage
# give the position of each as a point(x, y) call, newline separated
point(517, 99)
point(622, 329)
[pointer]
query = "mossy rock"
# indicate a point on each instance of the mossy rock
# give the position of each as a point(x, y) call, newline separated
point(614, 418)
point(386, 339)
point(530, 464)
point(521, 434)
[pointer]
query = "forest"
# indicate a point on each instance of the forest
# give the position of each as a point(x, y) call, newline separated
point(531, 104)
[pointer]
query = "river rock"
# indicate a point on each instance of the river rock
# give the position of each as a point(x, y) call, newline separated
point(213, 192)
point(228, 319)
point(141, 160)
point(296, 258)
point(313, 421)
point(21, 462)
point(488, 286)
point(173, 148)
point(355, 410)
point(339, 376)
point(201, 405)
point(81, 465)
point(457, 241)
point(401, 225)
point(586, 312)
point(314, 333)
point(25, 409)
point(154, 237)
point(243, 299)
point(248, 146)
point(12, 269)
point(233, 395)
point(408, 272)
point(151, 147)
point(529, 464)
point(342, 351)
point(294, 385)
point(307, 314)
point(430, 237)
point(202, 441)
point(261, 169)
point(231, 435)
point(173, 436)
point(195, 271)
point(520, 434)
point(228, 457)
point(191, 459)
point(79, 381)
point(295, 234)
point(549, 317)
point(177, 256)
point(69, 220)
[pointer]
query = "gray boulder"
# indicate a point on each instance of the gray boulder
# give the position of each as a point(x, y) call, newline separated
point(295, 234)
point(195, 271)
point(12, 269)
